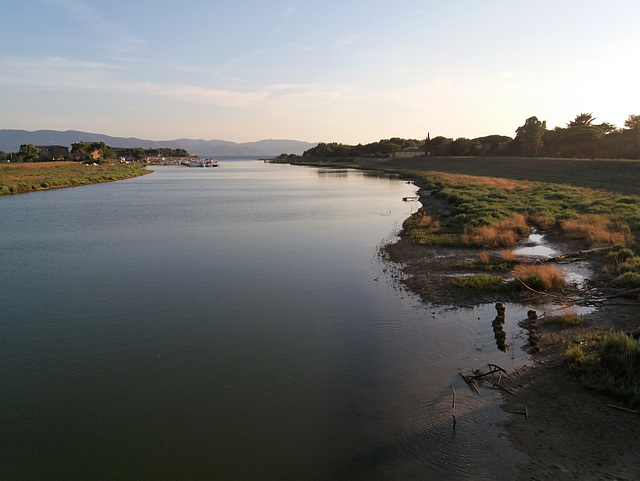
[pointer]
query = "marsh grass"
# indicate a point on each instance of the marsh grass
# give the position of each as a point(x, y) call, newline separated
point(543, 220)
point(485, 263)
point(597, 229)
point(628, 280)
point(478, 180)
point(575, 356)
point(492, 212)
point(421, 228)
point(613, 369)
point(569, 317)
point(482, 266)
point(508, 255)
point(612, 175)
point(485, 282)
point(500, 233)
point(540, 277)
point(626, 264)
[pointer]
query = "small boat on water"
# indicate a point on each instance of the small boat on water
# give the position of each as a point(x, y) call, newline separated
point(201, 163)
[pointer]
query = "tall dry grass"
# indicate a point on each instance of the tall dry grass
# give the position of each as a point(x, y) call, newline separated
point(540, 277)
point(508, 255)
point(598, 230)
point(502, 233)
point(544, 221)
point(484, 257)
point(427, 221)
point(493, 182)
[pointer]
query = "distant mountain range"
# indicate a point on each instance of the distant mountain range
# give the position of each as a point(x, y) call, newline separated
point(10, 141)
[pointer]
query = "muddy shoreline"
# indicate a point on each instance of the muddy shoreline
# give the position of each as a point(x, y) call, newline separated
point(569, 432)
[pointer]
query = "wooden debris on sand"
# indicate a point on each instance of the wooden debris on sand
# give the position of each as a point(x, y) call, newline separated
point(470, 383)
point(525, 412)
point(453, 389)
point(488, 376)
point(574, 256)
point(623, 408)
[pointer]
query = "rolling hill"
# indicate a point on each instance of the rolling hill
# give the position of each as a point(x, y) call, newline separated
point(10, 141)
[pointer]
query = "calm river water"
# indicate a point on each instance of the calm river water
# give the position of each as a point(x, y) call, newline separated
point(235, 323)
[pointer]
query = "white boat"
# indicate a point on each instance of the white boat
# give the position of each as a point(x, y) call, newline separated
point(201, 163)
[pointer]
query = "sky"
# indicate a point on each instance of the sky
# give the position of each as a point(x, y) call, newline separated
point(348, 71)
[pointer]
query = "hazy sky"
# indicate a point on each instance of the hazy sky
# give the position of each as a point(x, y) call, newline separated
point(347, 71)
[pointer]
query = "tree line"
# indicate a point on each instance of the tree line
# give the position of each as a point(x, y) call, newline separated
point(138, 153)
point(94, 151)
point(580, 138)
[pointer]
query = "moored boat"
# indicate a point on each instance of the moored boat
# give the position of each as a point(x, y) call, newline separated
point(201, 163)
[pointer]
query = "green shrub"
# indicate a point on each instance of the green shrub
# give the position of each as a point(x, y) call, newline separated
point(574, 356)
point(479, 281)
point(628, 280)
point(620, 254)
point(616, 368)
point(569, 318)
point(630, 265)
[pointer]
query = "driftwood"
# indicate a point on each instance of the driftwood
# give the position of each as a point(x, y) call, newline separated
point(573, 256)
point(493, 369)
point(500, 386)
point(622, 409)
point(470, 383)
point(625, 293)
point(453, 389)
point(525, 412)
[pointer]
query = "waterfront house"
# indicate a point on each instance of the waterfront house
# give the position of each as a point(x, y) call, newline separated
point(408, 152)
point(52, 152)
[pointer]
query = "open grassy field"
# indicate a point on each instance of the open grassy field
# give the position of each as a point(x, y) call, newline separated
point(17, 178)
point(621, 176)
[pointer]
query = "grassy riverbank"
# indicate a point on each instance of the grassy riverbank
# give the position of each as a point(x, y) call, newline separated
point(474, 204)
point(18, 178)
point(491, 202)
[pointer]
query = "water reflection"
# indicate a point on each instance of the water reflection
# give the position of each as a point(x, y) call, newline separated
point(227, 324)
point(535, 245)
point(498, 330)
point(333, 172)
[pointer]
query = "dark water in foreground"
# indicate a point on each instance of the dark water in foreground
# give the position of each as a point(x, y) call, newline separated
point(233, 324)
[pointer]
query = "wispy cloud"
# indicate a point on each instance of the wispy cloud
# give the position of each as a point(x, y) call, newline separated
point(76, 76)
point(118, 39)
point(285, 18)
point(52, 73)
point(194, 94)
point(345, 41)
point(287, 15)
